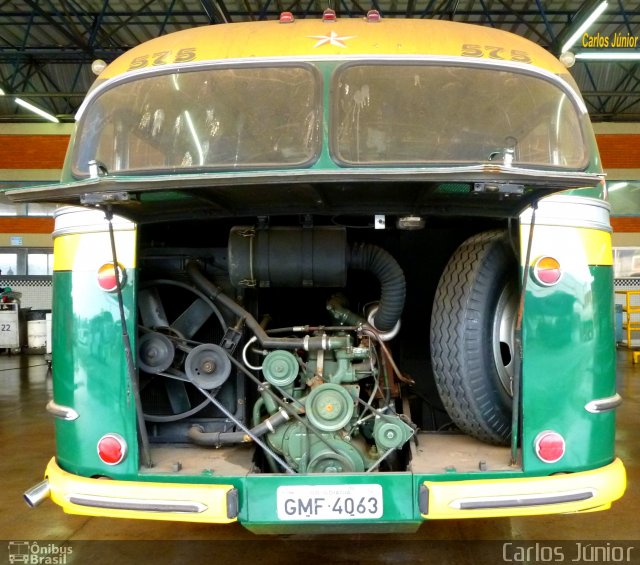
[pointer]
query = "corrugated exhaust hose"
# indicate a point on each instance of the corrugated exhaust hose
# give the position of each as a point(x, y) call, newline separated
point(379, 262)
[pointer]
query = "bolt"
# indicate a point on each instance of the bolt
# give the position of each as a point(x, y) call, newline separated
point(208, 366)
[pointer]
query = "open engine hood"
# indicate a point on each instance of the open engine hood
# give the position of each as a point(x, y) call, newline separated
point(487, 191)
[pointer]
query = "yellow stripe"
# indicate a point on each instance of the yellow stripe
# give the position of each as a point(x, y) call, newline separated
point(608, 484)
point(213, 497)
point(573, 247)
point(89, 251)
point(346, 36)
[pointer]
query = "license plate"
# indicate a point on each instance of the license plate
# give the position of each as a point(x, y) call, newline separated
point(330, 502)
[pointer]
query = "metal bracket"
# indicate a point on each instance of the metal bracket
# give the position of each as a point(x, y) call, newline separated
point(498, 187)
point(97, 198)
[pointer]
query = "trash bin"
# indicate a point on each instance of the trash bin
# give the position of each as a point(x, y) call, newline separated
point(37, 331)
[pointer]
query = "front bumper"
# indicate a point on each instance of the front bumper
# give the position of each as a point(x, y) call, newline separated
point(407, 498)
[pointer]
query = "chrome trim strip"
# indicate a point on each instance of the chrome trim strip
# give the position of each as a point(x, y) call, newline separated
point(189, 507)
point(604, 404)
point(62, 412)
point(450, 60)
point(521, 500)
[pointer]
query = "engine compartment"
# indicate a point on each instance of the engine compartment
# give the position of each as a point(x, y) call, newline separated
point(308, 337)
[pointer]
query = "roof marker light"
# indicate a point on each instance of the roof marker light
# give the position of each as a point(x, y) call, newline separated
point(329, 15)
point(549, 446)
point(373, 16)
point(112, 449)
point(286, 18)
point(546, 271)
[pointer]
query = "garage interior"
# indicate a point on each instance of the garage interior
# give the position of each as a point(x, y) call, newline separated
point(46, 54)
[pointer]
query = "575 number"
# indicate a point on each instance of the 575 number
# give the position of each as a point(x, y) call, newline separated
point(184, 55)
point(493, 52)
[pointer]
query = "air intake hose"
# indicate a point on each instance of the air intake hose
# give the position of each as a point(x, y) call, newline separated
point(367, 257)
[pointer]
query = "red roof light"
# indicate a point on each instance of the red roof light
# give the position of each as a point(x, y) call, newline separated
point(373, 16)
point(329, 15)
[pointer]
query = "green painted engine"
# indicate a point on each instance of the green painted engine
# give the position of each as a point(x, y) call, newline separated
point(336, 430)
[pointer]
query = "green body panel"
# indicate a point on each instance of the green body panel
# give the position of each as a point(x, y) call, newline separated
point(89, 372)
point(569, 360)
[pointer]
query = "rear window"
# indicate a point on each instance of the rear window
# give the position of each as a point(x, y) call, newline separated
point(221, 118)
point(429, 114)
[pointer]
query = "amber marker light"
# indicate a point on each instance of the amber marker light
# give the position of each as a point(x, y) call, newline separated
point(107, 277)
point(546, 271)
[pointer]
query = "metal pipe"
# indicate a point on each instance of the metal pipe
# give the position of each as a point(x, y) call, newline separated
point(199, 436)
point(37, 494)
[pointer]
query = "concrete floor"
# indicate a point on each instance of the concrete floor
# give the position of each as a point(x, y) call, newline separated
point(26, 437)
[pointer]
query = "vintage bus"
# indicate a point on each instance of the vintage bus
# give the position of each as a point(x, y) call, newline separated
point(332, 273)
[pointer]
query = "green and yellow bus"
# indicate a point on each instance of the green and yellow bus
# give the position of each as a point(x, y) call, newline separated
point(332, 273)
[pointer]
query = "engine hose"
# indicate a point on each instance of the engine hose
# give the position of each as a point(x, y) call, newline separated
point(368, 257)
point(308, 343)
point(216, 294)
point(213, 439)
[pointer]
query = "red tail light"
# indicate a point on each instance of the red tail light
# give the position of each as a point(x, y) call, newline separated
point(546, 271)
point(549, 446)
point(112, 449)
point(107, 277)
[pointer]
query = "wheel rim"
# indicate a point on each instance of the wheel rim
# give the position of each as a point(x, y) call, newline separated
point(504, 324)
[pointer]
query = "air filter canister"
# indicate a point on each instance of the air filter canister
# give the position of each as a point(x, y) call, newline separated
point(285, 256)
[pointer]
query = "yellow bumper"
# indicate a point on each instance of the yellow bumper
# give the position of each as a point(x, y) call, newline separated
point(483, 498)
point(217, 504)
point(586, 491)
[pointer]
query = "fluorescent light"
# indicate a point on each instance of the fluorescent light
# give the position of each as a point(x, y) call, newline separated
point(36, 110)
point(612, 55)
point(582, 28)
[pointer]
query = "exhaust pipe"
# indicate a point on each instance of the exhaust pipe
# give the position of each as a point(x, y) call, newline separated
point(37, 494)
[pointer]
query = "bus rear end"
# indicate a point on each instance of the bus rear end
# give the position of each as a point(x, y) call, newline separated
point(309, 284)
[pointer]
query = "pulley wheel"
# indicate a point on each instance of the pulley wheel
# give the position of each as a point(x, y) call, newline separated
point(155, 352)
point(341, 458)
point(207, 366)
point(329, 407)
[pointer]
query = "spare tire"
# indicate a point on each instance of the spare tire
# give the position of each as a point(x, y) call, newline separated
point(472, 329)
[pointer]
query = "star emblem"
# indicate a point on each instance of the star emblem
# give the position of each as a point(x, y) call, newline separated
point(332, 39)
